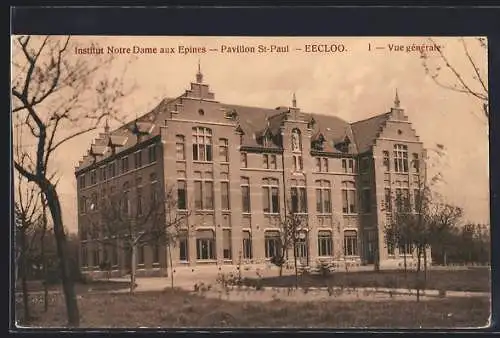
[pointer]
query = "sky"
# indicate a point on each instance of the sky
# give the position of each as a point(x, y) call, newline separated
point(354, 84)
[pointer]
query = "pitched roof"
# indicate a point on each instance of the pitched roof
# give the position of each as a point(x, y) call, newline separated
point(253, 122)
point(366, 131)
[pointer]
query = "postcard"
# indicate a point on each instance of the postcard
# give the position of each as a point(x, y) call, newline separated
point(251, 182)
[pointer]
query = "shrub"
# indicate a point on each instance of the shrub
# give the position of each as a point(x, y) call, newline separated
point(324, 269)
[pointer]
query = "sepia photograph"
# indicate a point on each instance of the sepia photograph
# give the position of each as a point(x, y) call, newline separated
point(250, 182)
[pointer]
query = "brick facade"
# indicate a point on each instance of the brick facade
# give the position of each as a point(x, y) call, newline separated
point(254, 156)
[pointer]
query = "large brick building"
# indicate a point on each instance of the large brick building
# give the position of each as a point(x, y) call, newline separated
point(237, 168)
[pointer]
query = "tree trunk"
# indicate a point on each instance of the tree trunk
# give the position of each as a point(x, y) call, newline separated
point(419, 252)
point(68, 284)
point(444, 259)
point(295, 265)
point(404, 262)
point(132, 267)
point(44, 258)
point(24, 272)
point(169, 248)
point(425, 265)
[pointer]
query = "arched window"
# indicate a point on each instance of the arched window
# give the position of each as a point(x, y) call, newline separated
point(202, 144)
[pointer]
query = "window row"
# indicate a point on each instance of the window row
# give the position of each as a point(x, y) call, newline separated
point(206, 245)
point(204, 196)
point(120, 166)
point(122, 201)
point(273, 244)
point(108, 254)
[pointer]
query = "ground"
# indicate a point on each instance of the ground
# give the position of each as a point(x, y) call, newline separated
point(179, 308)
point(472, 279)
point(270, 307)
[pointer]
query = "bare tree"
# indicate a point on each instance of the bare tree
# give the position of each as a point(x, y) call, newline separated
point(121, 225)
point(291, 230)
point(472, 81)
point(58, 96)
point(26, 210)
point(419, 225)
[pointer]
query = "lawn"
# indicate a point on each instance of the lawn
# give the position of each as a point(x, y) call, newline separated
point(177, 308)
point(473, 279)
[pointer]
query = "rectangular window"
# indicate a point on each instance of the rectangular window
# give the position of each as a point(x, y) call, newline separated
point(223, 150)
point(245, 195)
point(82, 181)
point(418, 201)
point(323, 197)
point(180, 148)
point(138, 159)
point(140, 254)
point(103, 174)
point(114, 256)
point(270, 192)
point(350, 243)
point(181, 195)
point(275, 200)
point(344, 165)
point(386, 161)
point(364, 165)
point(93, 177)
point(295, 200)
point(84, 255)
point(96, 258)
point(273, 162)
point(351, 166)
point(388, 200)
point(400, 158)
point(198, 197)
point(265, 161)
point(209, 195)
point(202, 144)
point(224, 186)
point(226, 241)
point(247, 245)
point(267, 200)
point(325, 243)
point(317, 160)
point(416, 163)
point(244, 160)
point(298, 165)
point(183, 246)
point(325, 165)
point(348, 198)
point(319, 201)
point(366, 201)
point(139, 201)
point(156, 254)
point(152, 153)
point(83, 205)
point(124, 165)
